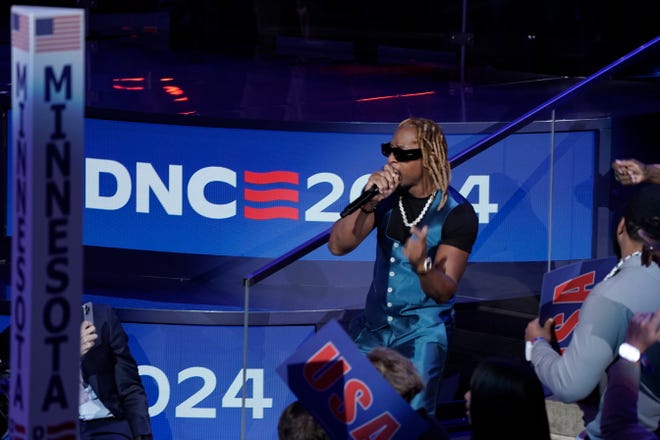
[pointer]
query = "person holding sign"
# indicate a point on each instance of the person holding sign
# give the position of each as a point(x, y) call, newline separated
point(426, 230)
point(297, 423)
point(631, 287)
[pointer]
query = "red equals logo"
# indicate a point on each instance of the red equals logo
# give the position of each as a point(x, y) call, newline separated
point(269, 194)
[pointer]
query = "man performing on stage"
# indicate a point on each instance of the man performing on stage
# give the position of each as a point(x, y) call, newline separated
point(426, 230)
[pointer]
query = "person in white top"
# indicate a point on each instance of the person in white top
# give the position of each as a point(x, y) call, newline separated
point(604, 318)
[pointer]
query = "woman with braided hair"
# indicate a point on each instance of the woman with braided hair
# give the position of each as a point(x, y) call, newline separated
point(425, 232)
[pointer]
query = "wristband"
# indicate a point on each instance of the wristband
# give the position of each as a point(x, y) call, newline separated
point(529, 345)
point(629, 352)
point(368, 211)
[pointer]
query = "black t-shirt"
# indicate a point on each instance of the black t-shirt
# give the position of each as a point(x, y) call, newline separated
point(459, 229)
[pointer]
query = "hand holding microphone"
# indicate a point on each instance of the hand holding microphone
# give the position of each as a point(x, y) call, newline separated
point(379, 186)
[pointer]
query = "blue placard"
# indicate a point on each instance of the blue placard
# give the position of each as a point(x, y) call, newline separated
point(565, 289)
point(346, 394)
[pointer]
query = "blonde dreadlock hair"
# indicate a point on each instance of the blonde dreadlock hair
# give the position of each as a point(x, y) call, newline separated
point(433, 143)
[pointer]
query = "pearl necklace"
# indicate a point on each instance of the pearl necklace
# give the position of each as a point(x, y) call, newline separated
point(421, 214)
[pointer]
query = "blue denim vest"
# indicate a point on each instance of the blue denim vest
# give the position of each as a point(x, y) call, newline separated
point(395, 297)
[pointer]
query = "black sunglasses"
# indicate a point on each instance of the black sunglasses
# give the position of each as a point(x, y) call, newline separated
point(399, 154)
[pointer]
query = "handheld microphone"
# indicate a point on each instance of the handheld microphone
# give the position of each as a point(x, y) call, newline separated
point(360, 201)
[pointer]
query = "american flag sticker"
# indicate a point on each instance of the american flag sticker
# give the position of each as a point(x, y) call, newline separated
point(58, 33)
point(20, 31)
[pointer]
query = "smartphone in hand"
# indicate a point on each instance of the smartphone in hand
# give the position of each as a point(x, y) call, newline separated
point(88, 312)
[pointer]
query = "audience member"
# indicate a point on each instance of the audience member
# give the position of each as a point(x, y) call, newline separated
point(296, 423)
point(506, 400)
point(632, 172)
point(619, 415)
point(113, 403)
point(425, 233)
point(631, 287)
point(400, 372)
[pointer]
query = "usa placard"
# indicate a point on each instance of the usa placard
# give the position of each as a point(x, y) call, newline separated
point(564, 290)
point(346, 394)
